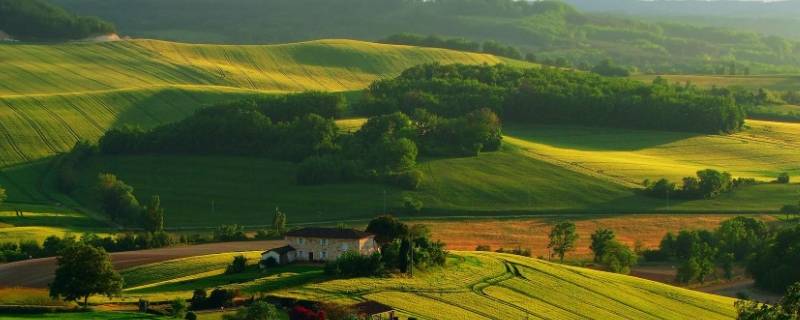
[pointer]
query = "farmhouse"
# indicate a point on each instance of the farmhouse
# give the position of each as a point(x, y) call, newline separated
point(320, 244)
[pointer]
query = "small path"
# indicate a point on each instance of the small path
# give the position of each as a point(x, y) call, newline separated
point(38, 273)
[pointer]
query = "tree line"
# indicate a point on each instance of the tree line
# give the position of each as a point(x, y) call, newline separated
point(301, 128)
point(765, 252)
point(554, 96)
point(708, 184)
point(38, 20)
point(458, 43)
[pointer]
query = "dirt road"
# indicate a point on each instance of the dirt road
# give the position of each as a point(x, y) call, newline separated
point(37, 273)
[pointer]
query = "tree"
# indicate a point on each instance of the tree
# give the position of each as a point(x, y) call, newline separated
point(599, 240)
point(617, 257)
point(117, 199)
point(84, 271)
point(741, 236)
point(387, 228)
point(787, 309)
point(562, 239)
point(783, 178)
point(259, 310)
point(238, 265)
point(404, 261)
point(178, 308)
point(279, 221)
point(775, 266)
point(154, 215)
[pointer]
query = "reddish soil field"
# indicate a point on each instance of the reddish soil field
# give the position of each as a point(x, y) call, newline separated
point(37, 273)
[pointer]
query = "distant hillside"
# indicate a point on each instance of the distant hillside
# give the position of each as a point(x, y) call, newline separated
point(54, 95)
point(549, 29)
point(781, 18)
point(38, 20)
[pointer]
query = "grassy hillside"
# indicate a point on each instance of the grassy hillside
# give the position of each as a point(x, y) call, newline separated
point(763, 150)
point(546, 170)
point(54, 95)
point(549, 29)
point(499, 286)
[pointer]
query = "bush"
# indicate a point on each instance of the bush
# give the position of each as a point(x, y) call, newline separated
point(354, 264)
point(238, 265)
point(259, 310)
point(231, 232)
point(411, 205)
point(178, 308)
point(190, 316)
point(220, 298)
point(483, 247)
point(783, 178)
point(410, 180)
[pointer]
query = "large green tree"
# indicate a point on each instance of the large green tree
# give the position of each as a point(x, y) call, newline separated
point(600, 239)
point(83, 271)
point(562, 239)
point(386, 229)
point(154, 215)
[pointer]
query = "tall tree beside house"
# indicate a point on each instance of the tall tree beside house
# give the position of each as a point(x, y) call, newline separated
point(279, 221)
point(404, 261)
point(153, 219)
point(83, 271)
point(386, 229)
point(562, 239)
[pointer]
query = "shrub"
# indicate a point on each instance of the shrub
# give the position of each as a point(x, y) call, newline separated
point(411, 205)
point(231, 232)
point(783, 178)
point(178, 308)
point(190, 316)
point(354, 264)
point(483, 247)
point(221, 298)
point(238, 265)
point(410, 180)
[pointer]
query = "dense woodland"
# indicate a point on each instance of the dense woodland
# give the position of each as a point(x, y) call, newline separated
point(550, 29)
point(38, 20)
point(554, 96)
point(385, 148)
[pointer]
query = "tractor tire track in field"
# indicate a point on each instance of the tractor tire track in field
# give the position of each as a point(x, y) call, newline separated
point(12, 142)
point(85, 115)
point(510, 273)
point(57, 118)
point(33, 125)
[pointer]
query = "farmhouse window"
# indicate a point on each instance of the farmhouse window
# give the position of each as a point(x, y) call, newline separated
point(323, 242)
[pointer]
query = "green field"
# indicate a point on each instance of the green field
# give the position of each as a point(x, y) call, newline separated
point(500, 286)
point(54, 95)
point(84, 315)
point(772, 82)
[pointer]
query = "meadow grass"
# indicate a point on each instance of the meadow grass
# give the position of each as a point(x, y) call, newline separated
point(54, 95)
point(28, 296)
point(763, 150)
point(179, 268)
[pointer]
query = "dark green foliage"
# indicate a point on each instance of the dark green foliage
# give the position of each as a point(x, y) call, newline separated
point(787, 309)
point(83, 271)
point(741, 237)
point(317, 170)
point(220, 298)
point(617, 257)
point(38, 20)
point(230, 232)
point(562, 239)
point(609, 69)
point(258, 310)
point(198, 300)
point(117, 199)
point(553, 96)
point(708, 184)
point(190, 316)
point(411, 205)
point(600, 239)
point(775, 267)
point(386, 229)
point(353, 264)
point(498, 49)
point(404, 259)
point(433, 41)
point(279, 222)
point(238, 265)
point(410, 180)
point(516, 251)
point(153, 216)
point(178, 308)
point(65, 166)
point(236, 129)
point(783, 178)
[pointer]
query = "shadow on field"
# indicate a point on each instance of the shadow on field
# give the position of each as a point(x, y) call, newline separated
point(595, 138)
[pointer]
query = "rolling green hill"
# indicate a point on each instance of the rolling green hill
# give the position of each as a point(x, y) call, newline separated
point(54, 95)
point(552, 30)
point(478, 286)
